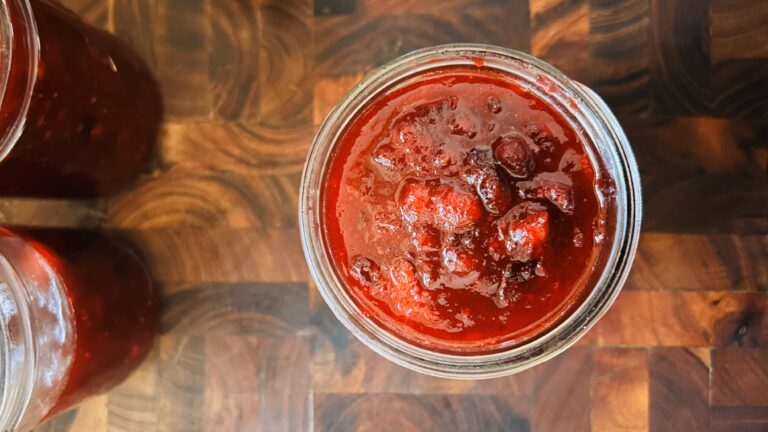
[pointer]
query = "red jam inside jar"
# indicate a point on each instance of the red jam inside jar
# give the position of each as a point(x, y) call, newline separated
point(94, 109)
point(109, 312)
point(462, 211)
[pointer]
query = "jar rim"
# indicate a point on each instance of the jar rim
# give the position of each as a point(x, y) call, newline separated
point(602, 128)
point(30, 40)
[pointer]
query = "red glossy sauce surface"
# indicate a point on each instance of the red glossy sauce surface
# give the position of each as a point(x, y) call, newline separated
point(94, 112)
point(462, 211)
point(114, 304)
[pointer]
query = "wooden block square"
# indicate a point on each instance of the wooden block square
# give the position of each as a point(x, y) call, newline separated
point(619, 47)
point(560, 36)
point(738, 29)
point(380, 31)
point(740, 377)
point(256, 383)
point(620, 390)
point(739, 419)
point(335, 412)
point(679, 390)
point(562, 398)
point(679, 59)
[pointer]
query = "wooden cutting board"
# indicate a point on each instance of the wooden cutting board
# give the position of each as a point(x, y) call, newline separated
point(247, 343)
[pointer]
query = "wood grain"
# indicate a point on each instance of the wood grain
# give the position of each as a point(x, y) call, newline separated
point(406, 413)
point(212, 199)
point(182, 62)
point(184, 255)
point(739, 377)
point(680, 57)
point(234, 70)
point(739, 419)
point(285, 53)
point(620, 390)
point(562, 398)
point(619, 46)
point(390, 28)
point(254, 149)
point(700, 262)
point(692, 319)
point(560, 35)
point(738, 29)
point(678, 374)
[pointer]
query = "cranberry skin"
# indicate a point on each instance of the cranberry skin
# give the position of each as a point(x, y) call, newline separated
point(494, 193)
point(514, 155)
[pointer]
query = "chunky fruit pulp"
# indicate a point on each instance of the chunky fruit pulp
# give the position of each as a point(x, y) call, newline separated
point(94, 112)
point(462, 211)
point(113, 302)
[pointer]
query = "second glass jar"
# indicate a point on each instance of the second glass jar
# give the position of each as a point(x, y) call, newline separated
point(80, 112)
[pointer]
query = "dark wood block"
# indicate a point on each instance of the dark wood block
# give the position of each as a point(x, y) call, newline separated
point(272, 310)
point(680, 57)
point(561, 397)
point(724, 204)
point(740, 377)
point(257, 382)
point(678, 390)
point(181, 49)
point(619, 45)
point(738, 29)
point(334, 7)
point(560, 36)
point(234, 59)
point(328, 93)
point(739, 419)
point(422, 413)
point(94, 12)
point(388, 29)
point(739, 88)
point(285, 71)
point(713, 168)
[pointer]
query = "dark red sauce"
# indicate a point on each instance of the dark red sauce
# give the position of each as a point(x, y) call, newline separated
point(94, 113)
point(462, 211)
point(114, 304)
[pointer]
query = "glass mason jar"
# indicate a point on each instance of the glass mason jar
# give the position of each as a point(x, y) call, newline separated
point(78, 313)
point(589, 116)
point(79, 112)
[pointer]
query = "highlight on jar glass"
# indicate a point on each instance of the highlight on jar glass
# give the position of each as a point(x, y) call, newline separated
point(79, 111)
point(468, 211)
point(78, 314)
